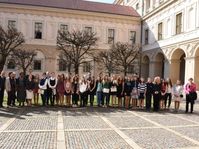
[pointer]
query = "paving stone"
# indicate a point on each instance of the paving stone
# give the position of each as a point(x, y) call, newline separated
point(169, 120)
point(81, 122)
point(157, 139)
point(37, 140)
point(192, 117)
point(191, 132)
point(108, 112)
point(40, 111)
point(129, 122)
point(95, 140)
point(40, 123)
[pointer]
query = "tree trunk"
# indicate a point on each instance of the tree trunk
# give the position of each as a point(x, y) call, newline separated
point(2, 63)
point(69, 68)
point(109, 73)
point(24, 71)
point(76, 69)
point(125, 71)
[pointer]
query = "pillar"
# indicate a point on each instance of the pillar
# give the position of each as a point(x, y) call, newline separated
point(174, 70)
point(189, 68)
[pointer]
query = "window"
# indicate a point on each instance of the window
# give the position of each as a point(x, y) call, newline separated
point(148, 5)
point(38, 30)
point(88, 29)
point(146, 36)
point(11, 64)
point(37, 65)
point(132, 37)
point(63, 28)
point(191, 21)
point(111, 36)
point(130, 69)
point(179, 23)
point(62, 65)
point(137, 6)
point(11, 24)
point(160, 31)
point(86, 67)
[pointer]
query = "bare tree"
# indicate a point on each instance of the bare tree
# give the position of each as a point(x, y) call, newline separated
point(76, 45)
point(124, 55)
point(23, 58)
point(106, 59)
point(10, 40)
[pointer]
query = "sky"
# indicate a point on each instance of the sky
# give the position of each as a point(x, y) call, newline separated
point(104, 1)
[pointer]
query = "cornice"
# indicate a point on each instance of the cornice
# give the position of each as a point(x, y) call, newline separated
point(55, 12)
point(158, 9)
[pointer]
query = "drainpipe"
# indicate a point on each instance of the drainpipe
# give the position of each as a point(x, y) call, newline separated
point(141, 39)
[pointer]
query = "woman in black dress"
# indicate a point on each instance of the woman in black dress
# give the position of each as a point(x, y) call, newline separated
point(156, 93)
point(92, 90)
point(120, 90)
point(75, 91)
point(149, 93)
point(21, 89)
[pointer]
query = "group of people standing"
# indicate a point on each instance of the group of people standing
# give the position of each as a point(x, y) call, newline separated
point(129, 92)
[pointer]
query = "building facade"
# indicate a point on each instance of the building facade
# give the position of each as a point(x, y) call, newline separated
point(170, 37)
point(40, 21)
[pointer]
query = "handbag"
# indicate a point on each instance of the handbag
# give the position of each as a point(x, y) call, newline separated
point(106, 90)
point(193, 96)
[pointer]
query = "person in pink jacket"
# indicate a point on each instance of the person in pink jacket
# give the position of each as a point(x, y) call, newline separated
point(191, 95)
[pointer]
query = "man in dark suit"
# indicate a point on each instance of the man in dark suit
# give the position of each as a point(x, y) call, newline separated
point(2, 87)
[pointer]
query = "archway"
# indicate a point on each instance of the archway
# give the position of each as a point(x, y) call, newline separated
point(177, 67)
point(145, 67)
point(196, 70)
point(159, 65)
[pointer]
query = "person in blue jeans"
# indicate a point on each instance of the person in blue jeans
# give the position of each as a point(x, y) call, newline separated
point(106, 91)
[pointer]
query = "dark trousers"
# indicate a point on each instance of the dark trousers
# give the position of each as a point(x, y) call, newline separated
point(84, 99)
point(168, 97)
point(1, 97)
point(148, 101)
point(191, 101)
point(75, 98)
point(51, 97)
point(156, 102)
point(107, 97)
point(92, 96)
point(11, 98)
point(44, 98)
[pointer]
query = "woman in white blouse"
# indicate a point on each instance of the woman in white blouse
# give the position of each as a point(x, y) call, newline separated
point(83, 88)
point(177, 94)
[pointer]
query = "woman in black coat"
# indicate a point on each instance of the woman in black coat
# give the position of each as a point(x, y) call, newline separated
point(156, 93)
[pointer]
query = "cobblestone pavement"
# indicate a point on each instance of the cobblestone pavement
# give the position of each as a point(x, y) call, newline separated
point(97, 128)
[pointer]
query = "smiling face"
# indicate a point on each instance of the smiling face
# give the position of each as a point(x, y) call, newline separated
point(149, 80)
point(190, 80)
point(178, 82)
